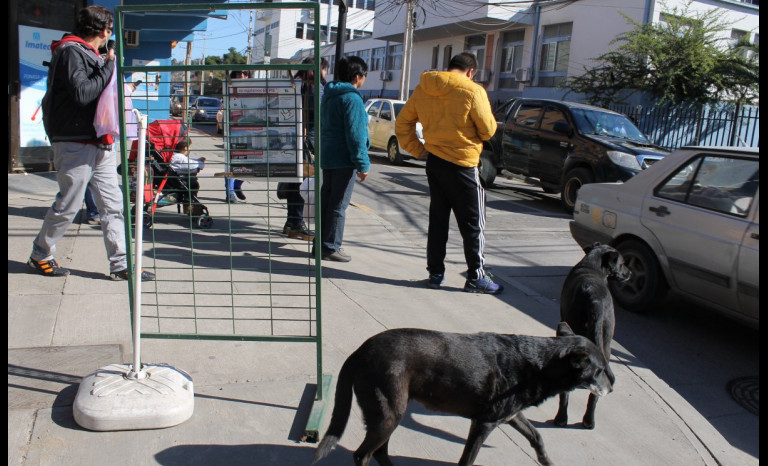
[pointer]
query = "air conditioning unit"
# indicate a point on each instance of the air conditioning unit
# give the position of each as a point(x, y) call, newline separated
point(483, 76)
point(386, 76)
point(523, 74)
point(131, 38)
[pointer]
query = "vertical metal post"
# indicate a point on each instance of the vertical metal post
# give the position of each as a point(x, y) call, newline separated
point(341, 35)
point(137, 372)
point(405, 76)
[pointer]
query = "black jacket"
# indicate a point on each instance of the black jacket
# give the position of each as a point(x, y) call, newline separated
point(76, 79)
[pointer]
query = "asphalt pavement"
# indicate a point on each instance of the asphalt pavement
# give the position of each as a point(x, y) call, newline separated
point(252, 399)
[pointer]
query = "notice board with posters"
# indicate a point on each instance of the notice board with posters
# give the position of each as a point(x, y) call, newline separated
point(263, 129)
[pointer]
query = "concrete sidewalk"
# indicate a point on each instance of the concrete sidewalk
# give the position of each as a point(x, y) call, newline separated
point(252, 398)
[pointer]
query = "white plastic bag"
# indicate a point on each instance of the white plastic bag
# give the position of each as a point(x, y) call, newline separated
point(106, 120)
point(307, 191)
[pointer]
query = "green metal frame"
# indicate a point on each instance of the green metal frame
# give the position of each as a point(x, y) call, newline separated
point(322, 381)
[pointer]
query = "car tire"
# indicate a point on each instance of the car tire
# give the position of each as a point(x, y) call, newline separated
point(646, 288)
point(573, 181)
point(487, 170)
point(393, 153)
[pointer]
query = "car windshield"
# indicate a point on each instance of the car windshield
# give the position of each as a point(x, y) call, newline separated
point(208, 103)
point(591, 121)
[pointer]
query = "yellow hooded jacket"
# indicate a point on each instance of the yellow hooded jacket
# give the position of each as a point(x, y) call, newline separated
point(455, 114)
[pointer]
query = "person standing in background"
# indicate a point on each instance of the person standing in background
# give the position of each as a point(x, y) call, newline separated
point(295, 226)
point(456, 117)
point(345, 144)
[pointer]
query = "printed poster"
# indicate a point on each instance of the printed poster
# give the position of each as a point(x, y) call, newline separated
point(263, 129)
point(34, 49)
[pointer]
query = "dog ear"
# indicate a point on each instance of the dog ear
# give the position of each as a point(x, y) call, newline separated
point(564, 330)
point(578, 358)
point(591, 247)
point(611, 260)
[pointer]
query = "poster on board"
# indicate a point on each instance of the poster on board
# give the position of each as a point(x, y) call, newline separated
point(263, 129)
point(34, 49)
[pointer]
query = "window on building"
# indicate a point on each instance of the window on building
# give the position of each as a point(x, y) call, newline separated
point(365, 55)
point(476, 46)
point(395, 57)
point(555, 54)
point(377, 59)
point(435, 55)
point(447, 55)
point(512, 44)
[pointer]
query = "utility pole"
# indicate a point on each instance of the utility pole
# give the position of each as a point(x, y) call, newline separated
point(187, 77)
point(202, 72)
point(341, 35)
point(250, 38)
point(405, 76)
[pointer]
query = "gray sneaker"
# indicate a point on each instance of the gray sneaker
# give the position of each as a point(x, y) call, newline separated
point(123, 275)
point(435, 280)
point(337, 256)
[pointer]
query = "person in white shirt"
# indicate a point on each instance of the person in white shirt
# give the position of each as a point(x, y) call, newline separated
point(187, 168)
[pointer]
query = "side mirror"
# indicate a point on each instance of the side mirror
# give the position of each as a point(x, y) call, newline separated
point(563, 128)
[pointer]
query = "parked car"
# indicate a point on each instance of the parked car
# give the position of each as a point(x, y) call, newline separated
point(690, 223)
point(564, 145)
point(177, 101)
point(381, 128)
point(204, 109)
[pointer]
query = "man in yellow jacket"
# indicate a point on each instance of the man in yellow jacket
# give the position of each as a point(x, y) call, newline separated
point(457, 117)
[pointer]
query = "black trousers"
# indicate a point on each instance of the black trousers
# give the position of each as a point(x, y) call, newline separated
point(457, 189)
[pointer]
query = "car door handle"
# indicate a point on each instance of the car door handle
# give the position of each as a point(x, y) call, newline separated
point(755, 236)
point(660, 211)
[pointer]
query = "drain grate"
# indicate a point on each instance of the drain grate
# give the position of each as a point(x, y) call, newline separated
point(746, 392)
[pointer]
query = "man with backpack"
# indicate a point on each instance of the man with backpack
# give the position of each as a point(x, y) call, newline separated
point(76, 79)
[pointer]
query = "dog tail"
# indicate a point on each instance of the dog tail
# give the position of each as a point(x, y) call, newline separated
point(341, 409)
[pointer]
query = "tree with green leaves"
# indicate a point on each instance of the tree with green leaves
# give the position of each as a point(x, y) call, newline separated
point(684, 59)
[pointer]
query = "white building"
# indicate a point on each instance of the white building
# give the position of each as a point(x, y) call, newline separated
point(533, 46)
point(281, 33)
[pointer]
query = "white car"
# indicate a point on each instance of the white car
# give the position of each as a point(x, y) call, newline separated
point(381, 128)
point(689, 223)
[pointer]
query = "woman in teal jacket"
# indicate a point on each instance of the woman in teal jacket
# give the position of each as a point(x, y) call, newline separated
point(345, 143)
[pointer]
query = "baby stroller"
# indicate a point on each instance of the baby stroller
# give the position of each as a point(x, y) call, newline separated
point(163, 186)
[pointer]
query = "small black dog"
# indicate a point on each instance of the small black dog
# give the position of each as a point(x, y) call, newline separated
point(587, 306)
point(486, 377)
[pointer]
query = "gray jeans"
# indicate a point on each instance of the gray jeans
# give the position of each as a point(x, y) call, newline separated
point(80, 165)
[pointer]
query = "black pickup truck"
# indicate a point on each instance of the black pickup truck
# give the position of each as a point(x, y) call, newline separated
point(564, 145)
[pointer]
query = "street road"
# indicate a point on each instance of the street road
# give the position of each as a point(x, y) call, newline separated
point(707, 359)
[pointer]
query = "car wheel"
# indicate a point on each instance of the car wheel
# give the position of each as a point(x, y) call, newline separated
point(393, 152)
point(646, 288)
point(574, 180)
point(487, 170)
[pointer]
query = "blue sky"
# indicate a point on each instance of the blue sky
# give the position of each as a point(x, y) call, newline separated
point(220, 36)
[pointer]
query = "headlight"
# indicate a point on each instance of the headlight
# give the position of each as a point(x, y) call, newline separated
point(623, 159)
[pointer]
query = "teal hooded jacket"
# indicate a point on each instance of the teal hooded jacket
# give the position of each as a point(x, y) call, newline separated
point(344, 128)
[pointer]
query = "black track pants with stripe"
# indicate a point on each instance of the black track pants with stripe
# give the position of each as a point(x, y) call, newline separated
point(457, 189)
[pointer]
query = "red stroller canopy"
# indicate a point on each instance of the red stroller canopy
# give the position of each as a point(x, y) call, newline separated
point(162, 136)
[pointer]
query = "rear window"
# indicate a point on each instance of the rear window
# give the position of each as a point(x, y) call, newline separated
point(207, 103)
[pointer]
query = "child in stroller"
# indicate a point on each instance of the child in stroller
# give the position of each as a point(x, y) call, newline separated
point(172, 173)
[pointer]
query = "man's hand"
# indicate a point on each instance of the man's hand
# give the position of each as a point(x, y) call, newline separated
point(362, 176)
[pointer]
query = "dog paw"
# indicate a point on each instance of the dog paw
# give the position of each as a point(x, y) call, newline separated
point(588, 424)
point(561, 421)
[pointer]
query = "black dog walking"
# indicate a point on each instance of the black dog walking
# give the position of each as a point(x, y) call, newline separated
point(486, 377)
point(587, 306)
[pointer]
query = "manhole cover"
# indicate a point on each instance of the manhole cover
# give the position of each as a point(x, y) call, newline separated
point(746, 392)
